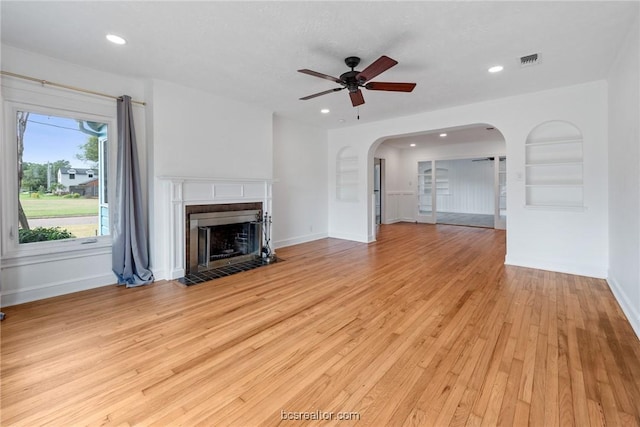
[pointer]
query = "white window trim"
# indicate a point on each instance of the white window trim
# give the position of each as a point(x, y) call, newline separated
point(11, 251)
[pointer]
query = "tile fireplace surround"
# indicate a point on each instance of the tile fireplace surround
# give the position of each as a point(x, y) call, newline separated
point(180, 192)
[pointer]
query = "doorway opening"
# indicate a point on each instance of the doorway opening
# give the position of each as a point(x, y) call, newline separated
point(470, 192)
point(451, 175)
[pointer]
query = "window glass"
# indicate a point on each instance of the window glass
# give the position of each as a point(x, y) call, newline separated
point(61, 177)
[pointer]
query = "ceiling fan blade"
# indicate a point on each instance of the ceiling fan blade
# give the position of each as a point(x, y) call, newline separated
point(322, 76)
point(356, 98)
point(395, 87)
point(321, 93)
point(381, 65)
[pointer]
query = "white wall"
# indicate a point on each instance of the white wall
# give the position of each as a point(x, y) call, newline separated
point(471, 187)
point(34, 274)
point(393, 164)
point(200, 135)
point(398, 200)
point(446, 151)
point(300, 182)
point(569, 241)
point(624, 178)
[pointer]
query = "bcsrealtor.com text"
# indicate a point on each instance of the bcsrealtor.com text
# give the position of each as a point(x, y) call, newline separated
point(318, 416)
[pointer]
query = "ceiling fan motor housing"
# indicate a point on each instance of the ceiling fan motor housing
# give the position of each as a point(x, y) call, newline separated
point(350, 80)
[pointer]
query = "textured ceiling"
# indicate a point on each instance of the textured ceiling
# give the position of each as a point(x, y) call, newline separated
point(250, 51)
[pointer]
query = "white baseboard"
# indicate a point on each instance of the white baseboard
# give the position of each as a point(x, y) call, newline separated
point(159, 274)
point(392, 221)
point(298, 240)
point(569, 268)
point(627, 306)
point(349, 236)
point(20, 296)
point(397, 220)
point(177, 273)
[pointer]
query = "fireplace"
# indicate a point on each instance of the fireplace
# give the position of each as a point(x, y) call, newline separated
point(221, 235)
point(181, 196)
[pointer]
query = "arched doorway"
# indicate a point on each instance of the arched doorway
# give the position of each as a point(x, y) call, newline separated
point(443, 175)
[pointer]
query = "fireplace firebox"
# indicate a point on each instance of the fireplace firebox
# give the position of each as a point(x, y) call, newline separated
point(224, 238)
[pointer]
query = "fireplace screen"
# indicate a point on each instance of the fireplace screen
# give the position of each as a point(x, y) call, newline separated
point(224, 238)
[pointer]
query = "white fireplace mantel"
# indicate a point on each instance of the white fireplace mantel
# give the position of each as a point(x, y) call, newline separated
point(179, 192)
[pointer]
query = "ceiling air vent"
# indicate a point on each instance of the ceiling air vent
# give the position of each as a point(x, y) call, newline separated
point(529, 60)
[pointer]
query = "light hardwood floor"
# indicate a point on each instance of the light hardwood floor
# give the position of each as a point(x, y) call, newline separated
point(424, 327)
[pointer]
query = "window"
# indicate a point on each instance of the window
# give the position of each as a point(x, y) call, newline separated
point(56, 160)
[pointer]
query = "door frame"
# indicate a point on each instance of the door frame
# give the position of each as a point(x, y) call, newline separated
point(498, 223)
point(420, 178)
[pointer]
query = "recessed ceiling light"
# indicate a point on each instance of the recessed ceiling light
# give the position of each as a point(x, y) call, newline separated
point(342, 120)
point(325, 111)
point(116, 39)
point(442, 135)
point(496, 69)
point(412, 145)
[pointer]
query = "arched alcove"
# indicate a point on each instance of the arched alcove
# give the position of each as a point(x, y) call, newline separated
point(554, 166)
point(347, 175)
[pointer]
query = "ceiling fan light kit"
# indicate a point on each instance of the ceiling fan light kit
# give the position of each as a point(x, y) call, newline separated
point(354, 80)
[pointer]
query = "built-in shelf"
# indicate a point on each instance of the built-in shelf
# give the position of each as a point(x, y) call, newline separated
point(347, 175)
point(555, 141)
point(554, 166)
point(441, 183)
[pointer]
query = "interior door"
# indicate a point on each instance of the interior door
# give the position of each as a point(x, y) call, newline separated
point(426, 192)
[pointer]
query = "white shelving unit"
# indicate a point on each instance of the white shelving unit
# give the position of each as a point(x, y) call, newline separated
point(425, 198)
point(554, 166)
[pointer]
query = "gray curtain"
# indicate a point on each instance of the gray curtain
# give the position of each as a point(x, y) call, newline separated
point(130, 245)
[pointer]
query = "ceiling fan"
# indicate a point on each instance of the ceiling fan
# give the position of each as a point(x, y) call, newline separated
point(354, 80)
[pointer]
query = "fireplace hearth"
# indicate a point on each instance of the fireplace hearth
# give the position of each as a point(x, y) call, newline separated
point(220, 272)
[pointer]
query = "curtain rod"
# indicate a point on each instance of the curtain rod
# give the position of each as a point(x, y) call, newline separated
point(77, 89)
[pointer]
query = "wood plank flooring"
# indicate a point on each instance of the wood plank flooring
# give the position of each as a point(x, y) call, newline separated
point(424, 327)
